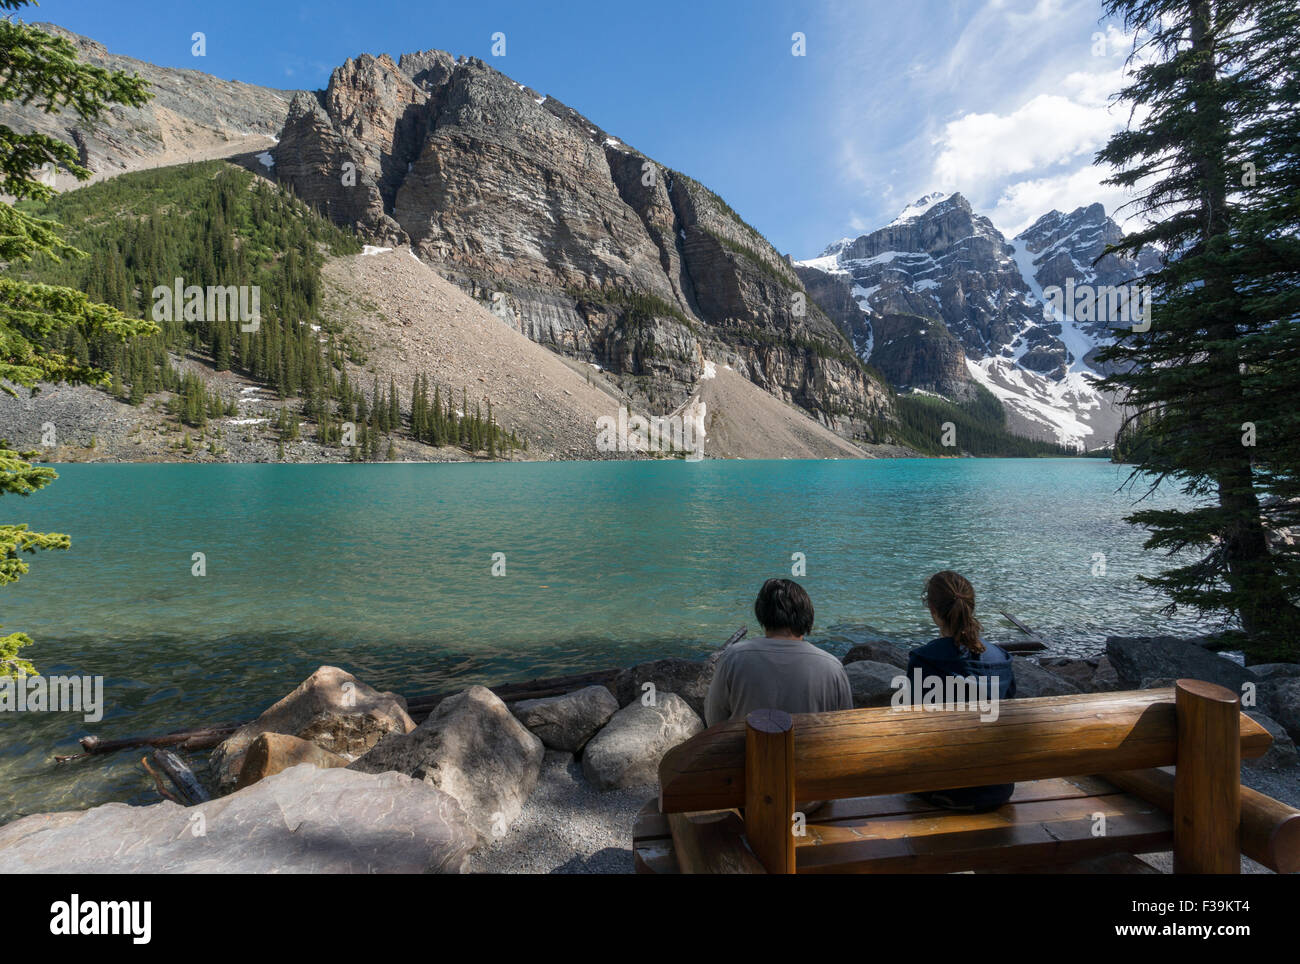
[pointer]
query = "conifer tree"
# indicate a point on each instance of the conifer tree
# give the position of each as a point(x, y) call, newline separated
point(35, 319)
point(1212, 160)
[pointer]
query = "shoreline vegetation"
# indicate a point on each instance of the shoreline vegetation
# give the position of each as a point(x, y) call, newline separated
point(543, 775)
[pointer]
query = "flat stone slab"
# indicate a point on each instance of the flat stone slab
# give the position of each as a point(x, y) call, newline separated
point(304, 820)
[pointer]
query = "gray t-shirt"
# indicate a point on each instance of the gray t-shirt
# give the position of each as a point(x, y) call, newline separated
point(776, 674)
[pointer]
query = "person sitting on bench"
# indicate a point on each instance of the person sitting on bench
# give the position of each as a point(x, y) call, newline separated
point(780, 671)
point(960, 653)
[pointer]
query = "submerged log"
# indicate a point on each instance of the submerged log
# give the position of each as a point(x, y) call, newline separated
point(1024, 646)
point(1034, 644)
point(202, 738)
point(180, 774)
point(157, 780)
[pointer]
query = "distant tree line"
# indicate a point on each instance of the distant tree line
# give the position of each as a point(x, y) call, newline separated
point(979, 428)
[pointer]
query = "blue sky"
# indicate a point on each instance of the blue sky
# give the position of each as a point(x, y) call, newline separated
point(1004, 100)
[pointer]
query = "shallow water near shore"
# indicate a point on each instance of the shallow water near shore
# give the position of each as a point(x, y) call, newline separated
point(387, 571)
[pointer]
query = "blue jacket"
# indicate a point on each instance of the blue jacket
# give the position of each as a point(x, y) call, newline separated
point(943, 658)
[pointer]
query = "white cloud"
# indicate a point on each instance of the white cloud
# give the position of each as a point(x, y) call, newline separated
point(1049, 129)
point(1020, 164)
point(1010, 108)
point(1024, 202)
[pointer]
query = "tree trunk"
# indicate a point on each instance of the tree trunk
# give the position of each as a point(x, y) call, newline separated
point(1257, 590)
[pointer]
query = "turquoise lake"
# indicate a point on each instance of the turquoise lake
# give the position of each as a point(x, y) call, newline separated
point(386, 570)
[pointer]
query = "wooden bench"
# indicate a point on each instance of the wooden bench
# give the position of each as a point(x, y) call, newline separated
point(746, 776)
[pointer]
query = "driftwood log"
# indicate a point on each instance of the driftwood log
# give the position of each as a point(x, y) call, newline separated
point(181, 776)
point(419, 708)
point(1033, 644)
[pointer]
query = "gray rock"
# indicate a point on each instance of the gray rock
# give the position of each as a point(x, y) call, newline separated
point(1105, 679)
point(1078, 671)
point(1033, 680)
point(331, 708)
point(567, 722)
point(872, 682)
point(1282, 752)
point(472, 748)
point(1156, 683)
point(302, 820)
point(878, 651)
point(1276, 670)
point(627, 751)
point(1136, 658)
point(1281, 699)
point(688, 678)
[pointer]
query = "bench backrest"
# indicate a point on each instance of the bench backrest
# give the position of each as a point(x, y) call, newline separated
point(773, 759)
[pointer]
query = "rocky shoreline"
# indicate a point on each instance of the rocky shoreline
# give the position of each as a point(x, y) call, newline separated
point(337, 777)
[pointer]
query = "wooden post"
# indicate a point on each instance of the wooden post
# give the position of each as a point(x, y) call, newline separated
point(1270, 829)
point(769, 789)
point(1207, 780)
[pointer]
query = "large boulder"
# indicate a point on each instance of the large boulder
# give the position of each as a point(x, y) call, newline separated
point(878, 651)
point(1281, 752)
point(1033, 680)
point(331, 708)
point(1137, 658)
point(687, 678)
point(627, 750)
point(1280, 698)
point(272, 753)
point(567, 722)
point(1276, 670)
point(472, 748)
point(872, 682)
point(303, 820)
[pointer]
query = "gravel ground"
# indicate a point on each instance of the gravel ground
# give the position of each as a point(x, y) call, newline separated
point(1280, 784)
point(567, 827)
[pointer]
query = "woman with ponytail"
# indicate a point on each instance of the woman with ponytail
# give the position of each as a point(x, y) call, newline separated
point(960, 652)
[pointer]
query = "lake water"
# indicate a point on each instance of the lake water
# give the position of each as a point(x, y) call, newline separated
point(386, 570)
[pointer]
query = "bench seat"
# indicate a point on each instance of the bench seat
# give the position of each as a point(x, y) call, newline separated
point(1048, 825)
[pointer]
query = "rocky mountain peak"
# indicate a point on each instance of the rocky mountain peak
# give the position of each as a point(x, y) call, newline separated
point(939, 300)
point(1083, 228)
point(923, 204)
point(583, 243)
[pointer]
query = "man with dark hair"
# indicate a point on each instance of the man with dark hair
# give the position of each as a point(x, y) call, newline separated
point(779, 671)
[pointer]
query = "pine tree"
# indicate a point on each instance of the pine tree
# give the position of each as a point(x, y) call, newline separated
point(43, 69)
point(1214, 165)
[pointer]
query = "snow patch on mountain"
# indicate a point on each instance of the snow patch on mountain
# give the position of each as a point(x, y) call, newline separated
point(919, 207)
point(1071, 410)
point(830, 263)
point(1077, 341)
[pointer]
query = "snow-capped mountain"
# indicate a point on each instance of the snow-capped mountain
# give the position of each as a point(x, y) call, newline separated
point(939, 300)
